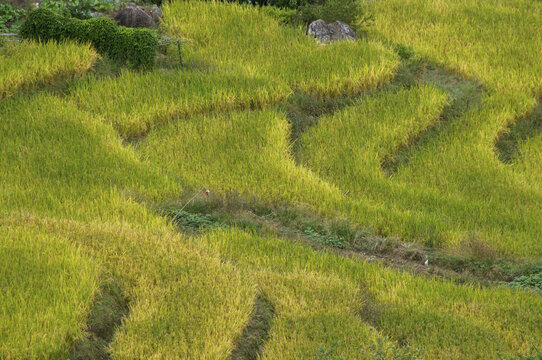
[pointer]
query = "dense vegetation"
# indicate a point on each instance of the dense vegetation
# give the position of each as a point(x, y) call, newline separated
point(135, 47)
point(317, 161)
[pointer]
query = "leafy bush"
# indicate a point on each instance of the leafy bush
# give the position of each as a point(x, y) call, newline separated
point(384, 350)
point(290, 4)
point(283, 15)
point(196, 222)
point(155, 2)
point(323, 354)
point(135, 47)
point(8, 16)
point(533, 282)
point(81, 9)
point(405, 52)
point(325, 239)
point(348, 11)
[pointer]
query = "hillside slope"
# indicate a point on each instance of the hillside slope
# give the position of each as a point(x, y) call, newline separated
point(104, 178)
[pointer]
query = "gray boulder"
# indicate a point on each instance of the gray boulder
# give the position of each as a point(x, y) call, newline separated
point(134, 16)
point(325, 33)
point(156, 13)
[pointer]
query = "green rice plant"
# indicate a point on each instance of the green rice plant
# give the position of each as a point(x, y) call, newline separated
point(447, 320)
point(233, 70)
point(339, 69)
point(47, 290)
point(134, 102)
point(412, 208)
point(382, 350)
point(313, 310)
point(73, 192)
point(498, 44)
point(183, 285)
point(360, 137)
point(245, 152)
point(169, 284)
point(59, 161)
point(529, 161)
point(507, 66)
point(27, 65)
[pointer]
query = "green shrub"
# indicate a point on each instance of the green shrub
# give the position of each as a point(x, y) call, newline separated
point(81, 9)
point(533, 282)
point(347, 11)
point(290, 4)
point(382, 349)
point(283, 15)
point(8, 16)
point(190, 221)
point(135, 47)
point(325, 239)
point(306, 11)
point(405, 52)
point(533, 354)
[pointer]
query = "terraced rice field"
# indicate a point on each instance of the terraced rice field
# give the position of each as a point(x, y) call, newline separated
point(446, 164)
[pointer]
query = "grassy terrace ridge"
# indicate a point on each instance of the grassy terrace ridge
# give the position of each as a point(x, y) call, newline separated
point(473, 172)
point(378, 199)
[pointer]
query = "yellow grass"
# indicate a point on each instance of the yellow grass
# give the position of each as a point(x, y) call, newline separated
point(77, 200)
point(258, 65)
point(29, 64)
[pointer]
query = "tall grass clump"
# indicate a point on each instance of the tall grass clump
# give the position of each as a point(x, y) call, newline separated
point(29, 64)
point(78, 200)
point(306, 11)
point(134, 102)
point(244, 152)
point(68, 178)
point(352, 144)
point(499, 44)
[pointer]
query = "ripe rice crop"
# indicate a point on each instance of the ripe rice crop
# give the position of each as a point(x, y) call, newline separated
point(233, 70)
point(79, 201)
point(29, 64)
point(447, 320)
point(47, 290)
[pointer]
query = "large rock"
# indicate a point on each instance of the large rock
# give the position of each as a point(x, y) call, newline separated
point(134, 16)
point(326, 33)
point(156, 13)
